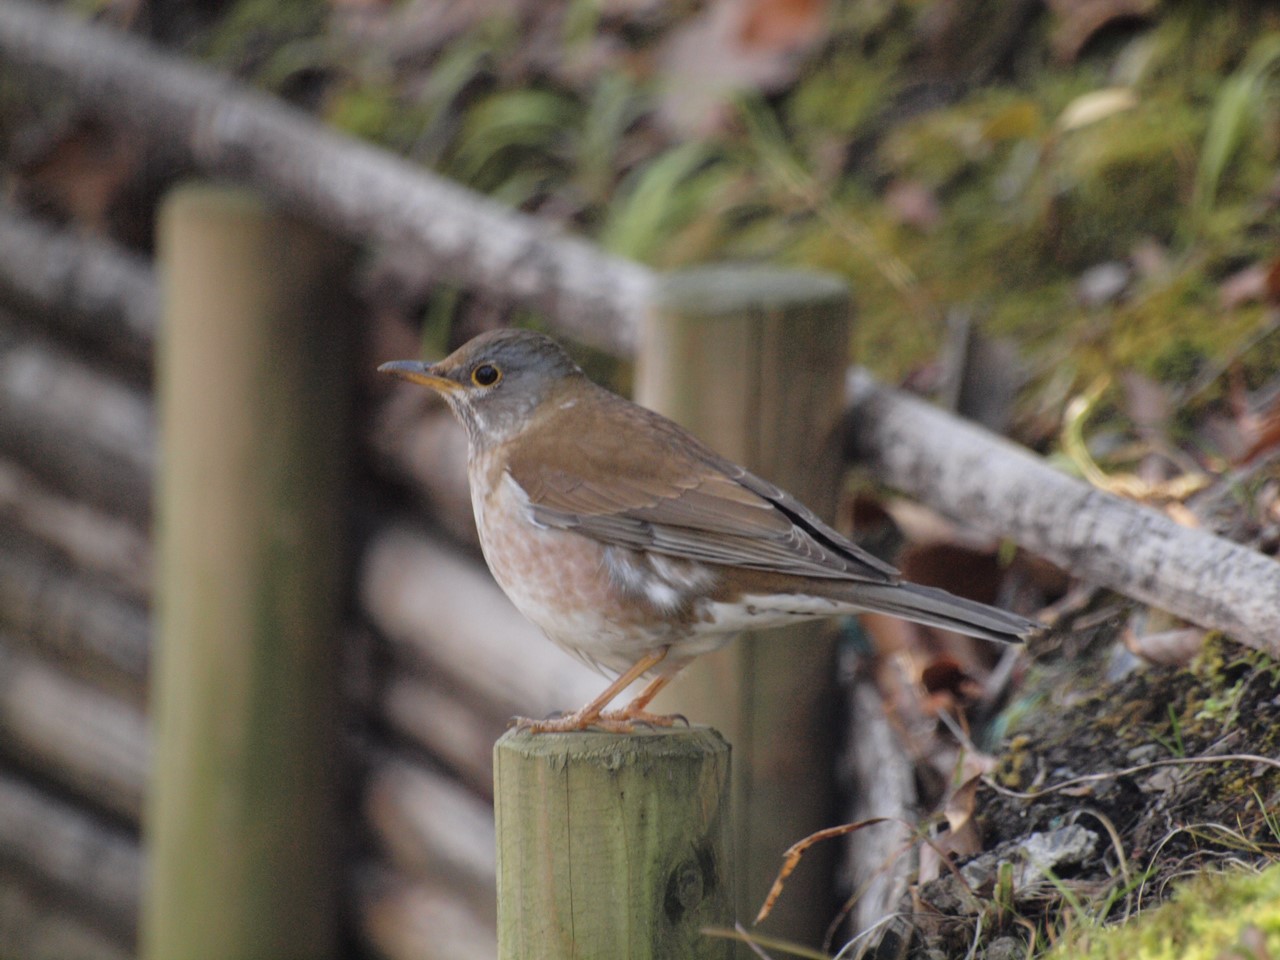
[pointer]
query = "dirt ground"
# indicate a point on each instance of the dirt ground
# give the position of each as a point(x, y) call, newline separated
point(1116, 781)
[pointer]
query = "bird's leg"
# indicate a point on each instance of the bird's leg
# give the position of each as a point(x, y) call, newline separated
point(591, 714)
point(634, 712)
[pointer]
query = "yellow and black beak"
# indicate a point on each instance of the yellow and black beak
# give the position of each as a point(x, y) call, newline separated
point(421, 373)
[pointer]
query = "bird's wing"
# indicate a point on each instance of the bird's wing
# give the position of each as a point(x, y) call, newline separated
point(647, 484)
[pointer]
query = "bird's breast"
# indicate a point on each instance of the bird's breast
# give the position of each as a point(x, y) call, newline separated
point(608, 605)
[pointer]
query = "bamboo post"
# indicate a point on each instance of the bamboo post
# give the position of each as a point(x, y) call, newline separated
point(253, 404)
point(612, 846)
point(752, 360)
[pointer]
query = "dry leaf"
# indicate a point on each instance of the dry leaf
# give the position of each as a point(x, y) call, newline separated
point(791, 858)
point(1096, 105)
point(732, 46)
point(913, 204)
point(1170, 648)
point(1076, 22)
point(1249, 285)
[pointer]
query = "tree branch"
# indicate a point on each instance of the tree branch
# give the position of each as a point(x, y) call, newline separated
point(349, 186)
point(964, 471)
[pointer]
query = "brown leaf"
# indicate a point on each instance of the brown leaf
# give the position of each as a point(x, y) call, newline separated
point(80, 174)
point(732, 46)
point(1076, 22)
point(1170, 648)
point(1259, 428)
point(913, 204)
point(1273, 282)
point(962, 838)
point(1249, 285)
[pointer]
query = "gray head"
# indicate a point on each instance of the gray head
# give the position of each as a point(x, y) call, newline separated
point(495, 381)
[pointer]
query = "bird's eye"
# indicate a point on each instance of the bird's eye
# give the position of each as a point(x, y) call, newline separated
point(485, 375)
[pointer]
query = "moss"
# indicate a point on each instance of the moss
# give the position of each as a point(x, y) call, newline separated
point(846, 91)
point(940, 146)
point(367, 112)
point(259, 35)
point(1208, 918)
point(1122, 178)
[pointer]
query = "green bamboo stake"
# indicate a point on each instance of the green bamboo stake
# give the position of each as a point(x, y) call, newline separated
point(253, 401)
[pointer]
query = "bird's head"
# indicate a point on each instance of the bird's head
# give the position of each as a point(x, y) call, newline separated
point(497, 381)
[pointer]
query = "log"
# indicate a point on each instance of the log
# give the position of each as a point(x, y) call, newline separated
point(429, 826)
point(456, 729)
point(419, 442)
point(93, 743)
point(613, 846)
point(96, 866)
point(81, 430)
point(92, 872)
point(446, 615)
point(91, 630)
point(405, 919)
point(87, 287)
point(242, 814)
point(751, 360)
point(36, 926)
point(340, 182)
point(996, 486)
point(109, 546)
point(879, 781)
point(66, 731)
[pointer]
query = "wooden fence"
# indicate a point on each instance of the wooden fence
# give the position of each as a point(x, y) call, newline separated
point(434, 660)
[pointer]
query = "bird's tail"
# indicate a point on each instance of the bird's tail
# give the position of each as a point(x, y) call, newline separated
point(937, 608)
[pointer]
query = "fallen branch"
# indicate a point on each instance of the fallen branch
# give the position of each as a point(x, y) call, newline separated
point(429, 826)
point(964, 471)
point(454, 727)
point(349, 186)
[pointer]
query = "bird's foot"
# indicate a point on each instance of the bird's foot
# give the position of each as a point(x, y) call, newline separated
point(566, 723)
point(643, 718)
point(612, 721)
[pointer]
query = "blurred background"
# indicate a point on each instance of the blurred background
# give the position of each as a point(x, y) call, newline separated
point(1058, 217)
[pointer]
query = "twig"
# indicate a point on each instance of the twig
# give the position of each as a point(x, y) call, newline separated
point(964, 471)
point(1109, 775)
point(349, 186)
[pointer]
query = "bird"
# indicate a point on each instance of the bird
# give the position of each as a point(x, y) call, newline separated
point(635, 546)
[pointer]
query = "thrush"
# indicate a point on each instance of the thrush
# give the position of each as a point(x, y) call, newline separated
point(633, 545)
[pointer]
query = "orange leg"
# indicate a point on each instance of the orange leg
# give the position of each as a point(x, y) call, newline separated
point(592, 714)
point(634, 712)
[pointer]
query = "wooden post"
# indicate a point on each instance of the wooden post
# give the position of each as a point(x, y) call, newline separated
point(612, 846)
point(253, 404)
point(752, 360)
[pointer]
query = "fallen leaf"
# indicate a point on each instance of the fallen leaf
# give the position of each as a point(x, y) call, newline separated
point(1249, 285)
point(731, 47)
point(1089, 108)
point(1169, 648)
point(1076, 22)
point(913, 204)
